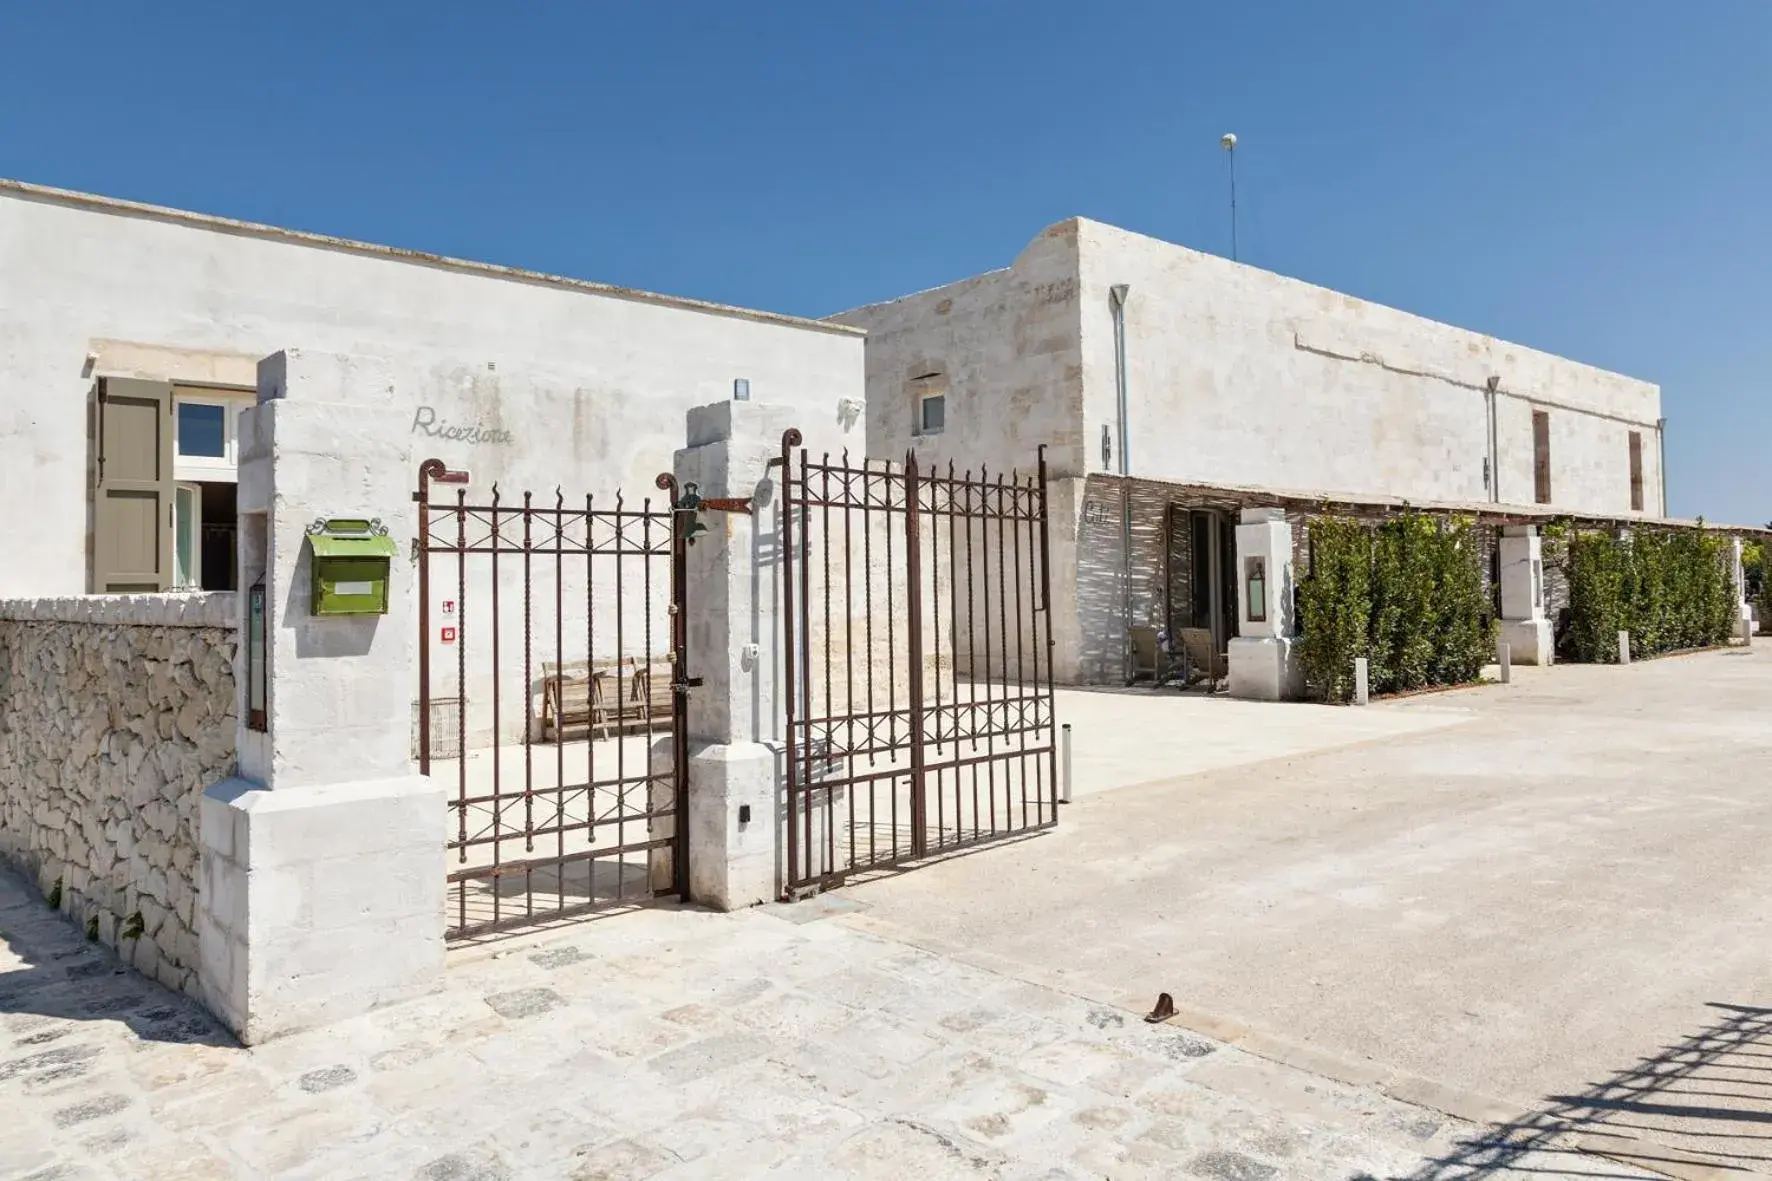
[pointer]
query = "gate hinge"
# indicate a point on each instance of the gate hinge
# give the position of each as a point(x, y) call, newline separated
point(686, 684)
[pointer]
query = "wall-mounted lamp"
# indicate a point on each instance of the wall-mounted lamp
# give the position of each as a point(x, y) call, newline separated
point(1255, 588)
point(255, 657)
point(741, 389)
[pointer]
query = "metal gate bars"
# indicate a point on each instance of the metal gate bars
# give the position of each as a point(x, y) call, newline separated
point(919, 667)
point(551, 691)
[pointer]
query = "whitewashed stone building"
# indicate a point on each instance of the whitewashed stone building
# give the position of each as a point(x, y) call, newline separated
point(228, 844)
point(1187, 387)
point(522, 378)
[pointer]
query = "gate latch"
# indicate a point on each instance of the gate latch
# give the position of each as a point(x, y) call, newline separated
point(693, 502)
point(686, 684)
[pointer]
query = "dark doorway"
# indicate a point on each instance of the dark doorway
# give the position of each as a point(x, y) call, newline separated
point(1201, 581)
point(217, 551)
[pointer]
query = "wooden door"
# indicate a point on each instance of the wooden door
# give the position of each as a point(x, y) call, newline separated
point(132, 518)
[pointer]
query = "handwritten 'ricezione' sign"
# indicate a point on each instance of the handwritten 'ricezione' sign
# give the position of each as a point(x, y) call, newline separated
point(426, 422)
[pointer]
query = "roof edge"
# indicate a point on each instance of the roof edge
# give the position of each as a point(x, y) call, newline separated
point(1525, 514)
point(227, 225)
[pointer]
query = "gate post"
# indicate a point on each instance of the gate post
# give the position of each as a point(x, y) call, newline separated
point(322, 859)
point(737, 808)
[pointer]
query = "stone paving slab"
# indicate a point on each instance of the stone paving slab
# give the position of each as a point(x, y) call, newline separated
point(673, 1043)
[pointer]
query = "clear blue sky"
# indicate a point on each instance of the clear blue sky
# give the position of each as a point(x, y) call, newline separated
point(1592, 177)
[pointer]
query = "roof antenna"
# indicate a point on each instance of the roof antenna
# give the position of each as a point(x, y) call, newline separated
point(1228, 141)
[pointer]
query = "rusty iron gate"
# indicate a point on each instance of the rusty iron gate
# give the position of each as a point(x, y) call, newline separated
point(918, 642)
point(551, 658)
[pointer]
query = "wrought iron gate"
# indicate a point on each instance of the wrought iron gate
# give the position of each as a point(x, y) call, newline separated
point(551, 644)
point(919, 666)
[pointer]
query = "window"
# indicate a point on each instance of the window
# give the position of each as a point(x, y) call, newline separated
point(929, 403)
point(202, 431)
point(1636, 472)
point(1541, 459)
point(932, 410)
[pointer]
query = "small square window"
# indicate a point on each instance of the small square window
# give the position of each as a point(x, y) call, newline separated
point(202, 430)
point(932, 413)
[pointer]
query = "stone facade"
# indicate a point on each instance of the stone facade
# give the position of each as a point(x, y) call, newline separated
point(116, 713)
point(527, 381)
point(1234, 378)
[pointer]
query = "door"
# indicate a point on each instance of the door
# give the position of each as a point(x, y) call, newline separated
point(187, 537)
point(132, 513)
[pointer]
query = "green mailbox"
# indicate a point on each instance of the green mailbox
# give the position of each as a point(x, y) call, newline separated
point(349, 566)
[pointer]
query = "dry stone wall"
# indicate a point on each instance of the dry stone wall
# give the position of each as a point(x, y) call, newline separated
point(116, 712)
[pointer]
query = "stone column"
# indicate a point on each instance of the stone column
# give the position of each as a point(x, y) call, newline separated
point(735, 756)
point(1524, 627)
point(1264, 662)
point(323, 859)
point(1744, 610)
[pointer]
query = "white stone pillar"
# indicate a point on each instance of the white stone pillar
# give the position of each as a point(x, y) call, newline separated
point(1744, 610)
point(1264, 662)
point(323, 859)
point(737, 808)
point(1524, 627)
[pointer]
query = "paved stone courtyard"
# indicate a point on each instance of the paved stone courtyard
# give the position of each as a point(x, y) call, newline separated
point(1588, 843)
point(665, 1043)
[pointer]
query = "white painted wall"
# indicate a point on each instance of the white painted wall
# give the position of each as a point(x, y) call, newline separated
point(592, 383)
point(1007, 343)
point(1241, 376)
point(1236, 376)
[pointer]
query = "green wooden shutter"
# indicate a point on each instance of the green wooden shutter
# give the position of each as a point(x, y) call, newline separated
point(132, 512)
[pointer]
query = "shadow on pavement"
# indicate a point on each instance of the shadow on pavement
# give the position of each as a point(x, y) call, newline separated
point(1701, 1107)
point(52, 978)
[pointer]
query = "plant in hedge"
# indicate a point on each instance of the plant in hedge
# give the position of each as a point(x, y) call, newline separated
point(1594, 564)
point(1465, 626)
point(1335, 606)
point(1404, 626)
point(1672, 589)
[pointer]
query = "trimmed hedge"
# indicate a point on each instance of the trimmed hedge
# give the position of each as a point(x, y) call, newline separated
point(1671, 589)
point(1408, 595)
point(1756, 563)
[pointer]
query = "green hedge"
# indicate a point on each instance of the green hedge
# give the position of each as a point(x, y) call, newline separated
point(1408, 595)
point(1671, 589)
point(1756, 562)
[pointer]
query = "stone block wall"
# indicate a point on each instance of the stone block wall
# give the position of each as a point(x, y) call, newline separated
point(116, 712)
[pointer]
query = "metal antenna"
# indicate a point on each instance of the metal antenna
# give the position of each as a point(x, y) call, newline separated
point(1228, 142)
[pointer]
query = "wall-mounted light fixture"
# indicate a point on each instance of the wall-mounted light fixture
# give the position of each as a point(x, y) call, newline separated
point(741, 389)
point(255, 657)
point(1255, 588)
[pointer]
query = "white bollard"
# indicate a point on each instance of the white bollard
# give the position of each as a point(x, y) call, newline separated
point(1504, 656)
point(1624, 647)
point(1747, 630)
point(1065, 753)
point(1360, 694)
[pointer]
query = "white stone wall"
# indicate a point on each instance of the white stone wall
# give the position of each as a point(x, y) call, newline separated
point(1236, 376)
point(1241, 376)
point(527, 380)
point(115, 714)
point(1007, 345)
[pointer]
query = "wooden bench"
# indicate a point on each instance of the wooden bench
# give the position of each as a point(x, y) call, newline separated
point(597, 696)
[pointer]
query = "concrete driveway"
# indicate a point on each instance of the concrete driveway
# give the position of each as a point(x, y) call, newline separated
point(1560, 900)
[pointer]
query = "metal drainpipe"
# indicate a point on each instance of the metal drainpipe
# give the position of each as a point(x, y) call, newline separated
point(1494, 384)
point(1117, 303)
point(1661, 461)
